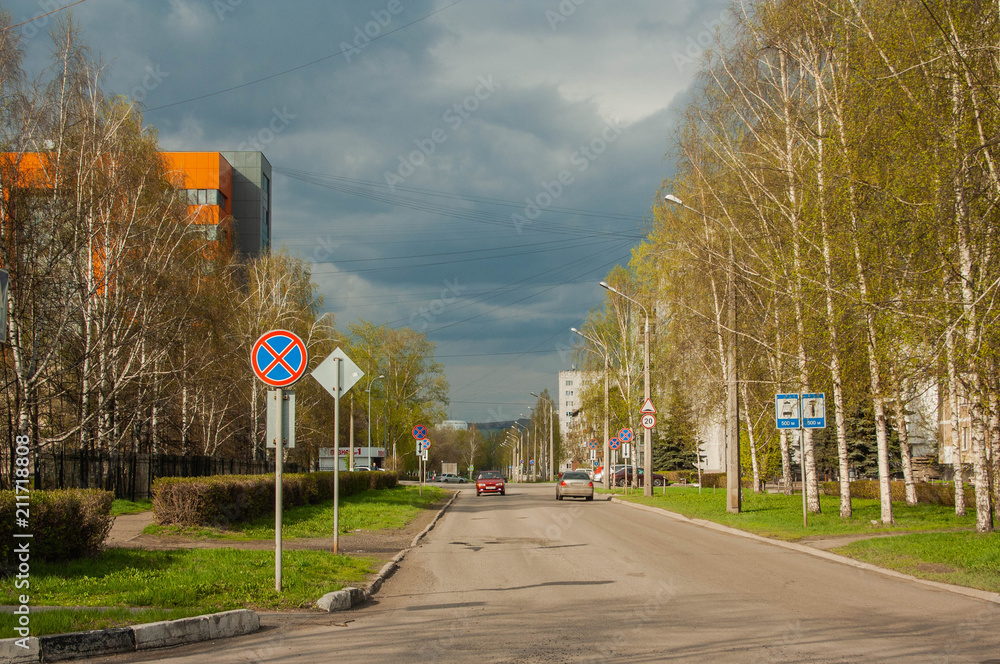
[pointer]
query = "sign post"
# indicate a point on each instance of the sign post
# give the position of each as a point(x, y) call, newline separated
point(337, 374)
point(279, 358)
point(801, 412)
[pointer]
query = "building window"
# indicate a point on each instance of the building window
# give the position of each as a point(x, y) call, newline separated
point(569, 383)
point(205, 197)
point(569, 393)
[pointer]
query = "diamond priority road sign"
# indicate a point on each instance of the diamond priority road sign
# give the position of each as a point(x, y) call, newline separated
point(326, 372)
point(279, 358)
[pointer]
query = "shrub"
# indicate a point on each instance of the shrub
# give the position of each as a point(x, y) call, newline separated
point(65, 524)
point(713, 480)
point(930, 494)
point(223, 500)
point(677, 475)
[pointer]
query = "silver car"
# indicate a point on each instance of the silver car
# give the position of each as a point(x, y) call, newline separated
point(575, 483)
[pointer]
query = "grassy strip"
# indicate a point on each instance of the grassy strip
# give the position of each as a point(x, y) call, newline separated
point(966, 559)
point(204, 579)
point(780, 516)
point(63, 621)
point(375, 509)
point(119, 507)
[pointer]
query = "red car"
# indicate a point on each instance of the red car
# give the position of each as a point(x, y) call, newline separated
point(490, 481)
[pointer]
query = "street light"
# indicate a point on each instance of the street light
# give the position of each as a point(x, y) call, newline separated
point(520, 447)
point(647, 448)
point(369, 390)
point(733, 497)
point(605, 479)
point(549, 470)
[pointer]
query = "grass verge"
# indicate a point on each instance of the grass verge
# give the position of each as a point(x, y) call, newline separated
point(204, 580)
point(63, 621)
point(375, 509)
point(965, 559)
point(119, 507)
point(780, 517)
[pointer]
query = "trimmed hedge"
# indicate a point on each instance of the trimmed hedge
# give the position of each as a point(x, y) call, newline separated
point(677, 475)
point(929, 494)
point(65, 524)
point(223, 500)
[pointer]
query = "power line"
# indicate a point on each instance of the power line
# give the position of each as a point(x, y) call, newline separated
point(297, 67)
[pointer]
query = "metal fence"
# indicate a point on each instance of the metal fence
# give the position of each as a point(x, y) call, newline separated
point(131, 476)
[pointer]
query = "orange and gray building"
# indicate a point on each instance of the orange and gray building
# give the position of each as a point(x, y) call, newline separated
point(229, 193)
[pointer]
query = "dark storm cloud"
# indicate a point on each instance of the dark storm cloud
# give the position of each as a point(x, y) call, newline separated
point(555, 104)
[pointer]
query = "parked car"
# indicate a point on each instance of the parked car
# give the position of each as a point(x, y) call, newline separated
point(575, 483)
point(357, 468)
point(599, 472)
point(624, 478)
point(490, 481)
point(449, 477)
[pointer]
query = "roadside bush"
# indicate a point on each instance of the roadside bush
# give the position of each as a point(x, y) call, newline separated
point(928, 494)
point(677, 475)
point(65, 524)
point(713, 480)
point(223, 500)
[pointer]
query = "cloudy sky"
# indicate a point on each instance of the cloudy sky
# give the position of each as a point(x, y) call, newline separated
point(469, 169)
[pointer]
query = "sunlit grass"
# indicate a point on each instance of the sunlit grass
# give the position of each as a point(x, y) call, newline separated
point(967, 559)
point(207, 580)
point(780, 516)
point(63, 621)
point(376, 509)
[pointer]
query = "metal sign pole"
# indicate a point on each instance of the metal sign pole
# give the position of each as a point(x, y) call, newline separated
point(336, 467)
point(802, 465)
point(279, 449)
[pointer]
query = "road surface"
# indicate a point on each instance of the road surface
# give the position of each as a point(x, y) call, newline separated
point(524, 578)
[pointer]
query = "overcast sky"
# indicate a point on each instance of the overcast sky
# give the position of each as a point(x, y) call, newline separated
point(469, 169)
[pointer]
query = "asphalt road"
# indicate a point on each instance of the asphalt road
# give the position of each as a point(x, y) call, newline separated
point(524, 578)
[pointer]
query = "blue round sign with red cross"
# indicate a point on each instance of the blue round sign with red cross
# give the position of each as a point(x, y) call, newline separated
point(626, 435)
point(614, 443)
point(279, 358)
point(419, 432)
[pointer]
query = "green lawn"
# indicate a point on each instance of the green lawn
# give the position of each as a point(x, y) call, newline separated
point(129, 507)
point(203, 580)
point(370, 510)
point(966, 559)
point(780, 516)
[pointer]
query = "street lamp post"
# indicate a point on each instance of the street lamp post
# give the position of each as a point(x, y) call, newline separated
point(369, 390)
point(522, 432)
point(549, 469)
point(605, 476)
point(647, 485)
point(733, 497)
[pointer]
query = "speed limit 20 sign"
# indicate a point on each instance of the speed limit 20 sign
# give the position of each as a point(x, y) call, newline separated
point(648, 420)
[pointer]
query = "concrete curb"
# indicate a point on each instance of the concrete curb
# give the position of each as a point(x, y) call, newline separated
point(342, 600)
point(101, 642)
point(975, 593)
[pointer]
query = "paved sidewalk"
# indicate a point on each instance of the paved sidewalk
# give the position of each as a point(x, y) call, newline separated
point(127, 527)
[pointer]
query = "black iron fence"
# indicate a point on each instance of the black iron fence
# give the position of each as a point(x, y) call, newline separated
point(131, 476)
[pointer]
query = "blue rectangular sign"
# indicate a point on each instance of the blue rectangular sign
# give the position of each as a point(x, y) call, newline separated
point(786, 411)
point(814, 411)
